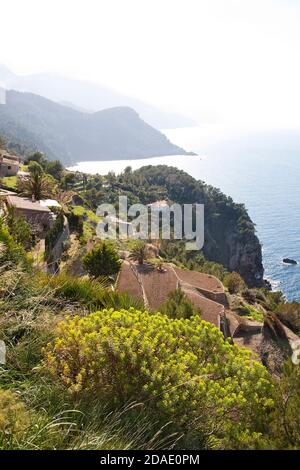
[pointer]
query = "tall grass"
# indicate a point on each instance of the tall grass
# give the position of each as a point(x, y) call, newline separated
point(93, 294)
point(30, 307)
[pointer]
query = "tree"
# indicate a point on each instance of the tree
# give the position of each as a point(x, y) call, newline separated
point(234, 282)
point(69, 180)
point(178, 305)
point(35, 157)
point(35, 168)
point(18, 227)
point(38, 184)
point(102, 260)
point(139, 252)
point(54, 168)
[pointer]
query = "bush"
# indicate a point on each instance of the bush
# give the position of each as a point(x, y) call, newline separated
point(18, 227)
point(11, 251)
point(182, 370)
point(234, 282)
point(249, 295)
point(178, 305)
point(289, 314)
point(139, 252)
point(102, 260)
point(75, 223)
point(286, 419)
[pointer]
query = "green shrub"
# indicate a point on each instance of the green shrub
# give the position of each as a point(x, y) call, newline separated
point(11, 251)
point(234, 282)
point(139, 252)
point(286, 419)
point(289, 314)
point(102, 260)
point(183, 369)
point(250, 312)
point(178, 305)
point(18, 227)
point(75, 222)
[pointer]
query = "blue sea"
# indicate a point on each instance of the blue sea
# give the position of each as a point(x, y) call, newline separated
point(258, 168)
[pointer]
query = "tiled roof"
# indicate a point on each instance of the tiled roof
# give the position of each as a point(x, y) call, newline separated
point(157, 285)
point(201, 280)
point(26, 204)
point(8, 161)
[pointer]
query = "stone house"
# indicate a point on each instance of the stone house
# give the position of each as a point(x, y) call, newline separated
point(39, 216)
point(9, 164)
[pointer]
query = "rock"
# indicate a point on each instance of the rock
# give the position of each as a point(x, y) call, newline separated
point(289, 261)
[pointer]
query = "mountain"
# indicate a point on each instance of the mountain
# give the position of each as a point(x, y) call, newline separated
point(89, 96)
point(73, 136)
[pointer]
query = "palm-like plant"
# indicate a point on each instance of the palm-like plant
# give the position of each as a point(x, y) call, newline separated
point(37, 184)
point(139, 252)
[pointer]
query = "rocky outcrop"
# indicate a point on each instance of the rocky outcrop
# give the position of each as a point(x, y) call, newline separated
point(240, 253)
point(245, 257)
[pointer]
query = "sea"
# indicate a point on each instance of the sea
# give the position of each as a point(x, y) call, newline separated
point(259, 168)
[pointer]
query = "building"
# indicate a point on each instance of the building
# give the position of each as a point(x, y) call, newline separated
point(38, 215)
point(9, 164)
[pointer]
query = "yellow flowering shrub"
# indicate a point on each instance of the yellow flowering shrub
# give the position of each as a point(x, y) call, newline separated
point(181, 367)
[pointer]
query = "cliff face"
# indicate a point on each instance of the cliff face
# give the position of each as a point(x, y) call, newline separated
point(246, 258)
point(230, 237)
point(238, 253)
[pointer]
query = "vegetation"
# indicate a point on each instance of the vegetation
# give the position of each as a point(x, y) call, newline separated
point(250, 312)
point(286, 418)
point(178, 305)
point(10, 182)
point(53, 235)
point(181, 368)
point(234, 283)
point(10, 250)
point(102, 260)
point(139, 252)
point(38, 184)
point(13, 419)
point(17, 225)
point(289, 314)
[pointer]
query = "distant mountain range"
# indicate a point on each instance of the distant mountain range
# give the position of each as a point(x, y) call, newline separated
point(89, 97)
point(73, 136)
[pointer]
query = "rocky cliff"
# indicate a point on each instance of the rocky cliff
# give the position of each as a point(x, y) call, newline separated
point(230, 237)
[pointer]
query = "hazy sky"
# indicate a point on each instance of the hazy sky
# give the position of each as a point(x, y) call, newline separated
point(230, 60)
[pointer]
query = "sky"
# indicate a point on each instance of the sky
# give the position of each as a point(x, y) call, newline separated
point(232, 61)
